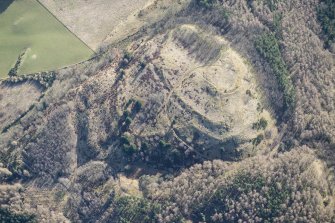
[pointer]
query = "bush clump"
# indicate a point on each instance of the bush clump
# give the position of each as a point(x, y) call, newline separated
point(128, 147)
point(268, 47)
point(130, 209)
point(205, 3)
point(260, 124)
point(7, 216)
point(256, 141)
point(326, 16)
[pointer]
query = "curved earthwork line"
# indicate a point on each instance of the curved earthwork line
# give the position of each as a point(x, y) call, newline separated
point(228, 93)
point(187, 75)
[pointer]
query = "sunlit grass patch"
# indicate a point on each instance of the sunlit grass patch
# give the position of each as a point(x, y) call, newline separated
point(26, 26)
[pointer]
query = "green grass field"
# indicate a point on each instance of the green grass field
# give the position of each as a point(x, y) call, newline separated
point(26, 25)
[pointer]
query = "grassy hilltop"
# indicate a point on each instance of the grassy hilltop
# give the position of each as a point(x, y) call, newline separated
point(204, 111)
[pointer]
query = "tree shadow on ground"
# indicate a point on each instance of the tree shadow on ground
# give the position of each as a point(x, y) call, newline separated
point(4, 4)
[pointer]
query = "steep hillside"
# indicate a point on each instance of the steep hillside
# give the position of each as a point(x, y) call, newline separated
point(204, 111)
point(147, 111)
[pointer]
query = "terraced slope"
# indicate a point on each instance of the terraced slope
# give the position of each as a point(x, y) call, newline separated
point(195, 108)
point(182, 97)
point(173, 124)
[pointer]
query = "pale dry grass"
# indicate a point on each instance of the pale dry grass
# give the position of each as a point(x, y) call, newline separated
point(153, 11)
point(15, 100)
point(202, 89)
point(217, 91)
point(129, 186)
point(92, 21)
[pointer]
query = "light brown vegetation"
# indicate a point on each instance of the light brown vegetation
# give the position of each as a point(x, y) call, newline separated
point(92, 21)
point(199, 81)
point(15, 100)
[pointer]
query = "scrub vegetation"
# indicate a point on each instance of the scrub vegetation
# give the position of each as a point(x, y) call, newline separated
point(204, 111)
point(268, 47)
point(326, 16)
point(10, 217)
